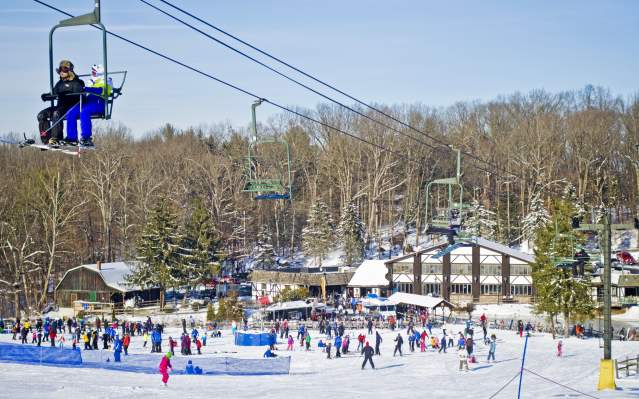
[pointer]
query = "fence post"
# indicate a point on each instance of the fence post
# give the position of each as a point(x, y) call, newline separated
point(616, 369)
point(637, 365)
point(627, 367)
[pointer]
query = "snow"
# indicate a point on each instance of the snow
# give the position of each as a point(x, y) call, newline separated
point(371, 273)
point(417, 300)
point(314, 376)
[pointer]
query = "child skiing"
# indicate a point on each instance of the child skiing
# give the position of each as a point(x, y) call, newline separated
point(165, 367)
point(560, 346)
point(290, 343)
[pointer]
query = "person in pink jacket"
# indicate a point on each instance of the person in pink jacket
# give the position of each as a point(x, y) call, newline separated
point(290, 343)
point(165, 366)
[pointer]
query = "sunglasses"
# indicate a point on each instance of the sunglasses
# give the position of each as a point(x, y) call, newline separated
point(63, 69)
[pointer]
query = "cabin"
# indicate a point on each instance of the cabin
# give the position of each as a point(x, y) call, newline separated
point(100, 283)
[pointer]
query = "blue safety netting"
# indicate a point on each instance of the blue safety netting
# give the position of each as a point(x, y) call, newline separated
point(254, 339)
point(140, 363)
point(148, 363)
point(16, 353)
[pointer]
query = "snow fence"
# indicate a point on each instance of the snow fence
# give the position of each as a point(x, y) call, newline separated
point(148, 363)
point(254, 339)
point(16, 353)
point(140, 363)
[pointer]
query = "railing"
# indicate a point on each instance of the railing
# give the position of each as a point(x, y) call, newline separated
point(628, 364)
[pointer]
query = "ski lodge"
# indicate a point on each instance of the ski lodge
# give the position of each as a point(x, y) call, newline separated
point(100, 283)
point(472, 270)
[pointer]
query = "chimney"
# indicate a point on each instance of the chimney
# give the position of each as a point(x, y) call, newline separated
point(99, 265)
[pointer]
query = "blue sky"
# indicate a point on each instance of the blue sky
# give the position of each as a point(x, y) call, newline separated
point(401, 52)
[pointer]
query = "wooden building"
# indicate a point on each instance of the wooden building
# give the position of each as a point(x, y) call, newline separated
point(272, 283)
point(100, 283)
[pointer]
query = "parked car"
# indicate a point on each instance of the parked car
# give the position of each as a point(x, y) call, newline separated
point(626, 258)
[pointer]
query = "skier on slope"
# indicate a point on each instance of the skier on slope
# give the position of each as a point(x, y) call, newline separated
point(378, 342)
point(368, 355)
point(165, 367)
point(398, 345)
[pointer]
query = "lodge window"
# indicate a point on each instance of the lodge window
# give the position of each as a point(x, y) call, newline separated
point(490, 270)
point(490, 289)
point(461, 268)
point(460, 288)
point(520, 270)
point(521, 290)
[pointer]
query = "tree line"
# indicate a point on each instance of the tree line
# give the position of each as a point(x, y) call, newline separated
point(57, 212)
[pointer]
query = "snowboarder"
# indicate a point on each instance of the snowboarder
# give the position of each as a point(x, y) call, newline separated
point(269, 353)
point(368, 355)
point(165, 367)
point(398, 345)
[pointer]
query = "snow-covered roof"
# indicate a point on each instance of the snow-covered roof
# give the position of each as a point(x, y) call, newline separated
point(418, 300)
point(512, 252)
point(371, 273)
point(288, 306)
point(113, 274)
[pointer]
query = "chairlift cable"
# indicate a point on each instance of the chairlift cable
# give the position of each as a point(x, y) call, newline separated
point(442, 143)
point(244, 91)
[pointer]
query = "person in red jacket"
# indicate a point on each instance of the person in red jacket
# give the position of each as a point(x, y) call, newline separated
point(126, 341)
point(52, 334)
point(165, 367)
point(198, 345)
point(172, 345)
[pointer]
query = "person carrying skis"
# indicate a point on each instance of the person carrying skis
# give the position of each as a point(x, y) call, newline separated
point(68, 91)
point(368, 355)
point(165, 367)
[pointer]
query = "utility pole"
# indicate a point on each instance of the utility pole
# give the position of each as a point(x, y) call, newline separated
point(606, 366)
point(607, 313)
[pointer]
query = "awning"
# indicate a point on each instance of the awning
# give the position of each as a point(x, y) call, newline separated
point(423, 301)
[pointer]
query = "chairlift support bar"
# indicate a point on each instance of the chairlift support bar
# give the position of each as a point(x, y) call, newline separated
point(450, 182)
point(92, 18)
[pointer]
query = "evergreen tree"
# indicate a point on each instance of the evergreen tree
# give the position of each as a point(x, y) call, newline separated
point(351, 234)
point(263, 253)
point(318, 236)
point(557, 292)
point(159, 257)
point(481, 221)
point(536, 218)
point(199, 248)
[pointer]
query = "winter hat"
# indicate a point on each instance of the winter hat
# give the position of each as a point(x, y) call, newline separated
point(65, 66)
point(168, 355)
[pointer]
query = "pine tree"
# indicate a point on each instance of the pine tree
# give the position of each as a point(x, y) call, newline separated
point(263, 253)
point(200, 248)
point(536, 218)
point(351, 234)
point(159, 258)
point(318, 236)
point(481, 221)
point(556, 291)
